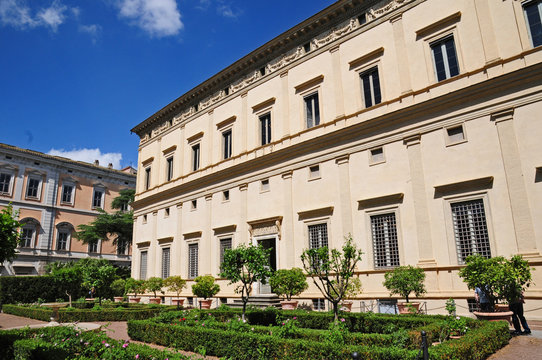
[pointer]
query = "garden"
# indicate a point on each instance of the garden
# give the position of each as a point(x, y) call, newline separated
point(271, 333)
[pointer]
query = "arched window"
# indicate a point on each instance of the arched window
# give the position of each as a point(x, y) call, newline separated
point(29, 232)
point(63, 238)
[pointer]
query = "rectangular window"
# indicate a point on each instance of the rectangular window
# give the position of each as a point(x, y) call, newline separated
point(317, 236)
point(225, 244)
point(93, 247)
point(371, 87)
point(32, 189)
point(533, 15)
point(264, 185)
point(122, 247)
point(265, 128)
point(385, 244)
point(455, 135)
point(445, 58)
point(312, 110)
point(169, 174)
point(27, 235)
point(226, 143)
point(470, 229)
point(147, 178)
point(314, 172)
point(195, 157)
point(192, 261)
point(319, 304)
point(5, 182)
point(62, 240)
point(143, 266)
point(377, 155)
point(67, 192)
point(165, 263)
point(97, 198)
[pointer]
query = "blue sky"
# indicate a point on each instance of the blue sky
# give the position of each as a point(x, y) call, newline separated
point(77, 75)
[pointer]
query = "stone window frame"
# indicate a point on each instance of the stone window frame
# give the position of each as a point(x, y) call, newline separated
point(12, 172)
point(384, 210)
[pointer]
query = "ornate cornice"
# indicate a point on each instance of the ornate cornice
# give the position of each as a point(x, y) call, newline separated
point(327, 26)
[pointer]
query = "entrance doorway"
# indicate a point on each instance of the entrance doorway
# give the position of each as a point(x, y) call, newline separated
point(268, 243)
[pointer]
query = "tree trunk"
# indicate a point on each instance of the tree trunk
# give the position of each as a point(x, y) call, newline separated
point(69, 298)
point(245, 300)
point(336, 311)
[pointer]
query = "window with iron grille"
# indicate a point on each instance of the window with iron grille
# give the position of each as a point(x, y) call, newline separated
point(385, 245)
point(533, 15)
point(165, 263)
point(318, 304)
point(143, 266)
point(265, 128)
point(27, 235)
point(122, 247)
point(317, 236)
point(470, 229)
point(5, 181)
point(192, 261)
point(32, 190)
point(371, 87)
point(312, 110)
point(225, 244)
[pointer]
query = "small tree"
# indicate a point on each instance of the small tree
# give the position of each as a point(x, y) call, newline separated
point(205, 287)
point(97, 275)
point(331, 270)
point(69, 277)
point(288, 283)
point(498, 278)
point(246, 265)
point(118, 287)
point(175, 284)
point(9, 234)
point(134, 286)
point(154, 284)
point(404, 280)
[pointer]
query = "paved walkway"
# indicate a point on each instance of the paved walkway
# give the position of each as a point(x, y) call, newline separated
point(524, 347)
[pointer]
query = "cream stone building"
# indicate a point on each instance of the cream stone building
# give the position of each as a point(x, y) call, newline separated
point(53, 196)
point(414, 125)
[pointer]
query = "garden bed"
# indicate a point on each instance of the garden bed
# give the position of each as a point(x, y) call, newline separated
point(302, 335)
point(113, 313)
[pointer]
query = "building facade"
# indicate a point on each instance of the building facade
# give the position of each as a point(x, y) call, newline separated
point(410, 124)
point(53, 196)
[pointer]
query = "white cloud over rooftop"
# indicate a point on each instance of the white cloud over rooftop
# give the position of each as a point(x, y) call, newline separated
point(158, 18)
point(89, 155)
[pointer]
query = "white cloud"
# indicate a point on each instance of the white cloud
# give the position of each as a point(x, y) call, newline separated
point(93, 30)
point(89, 155)
point(226, 11)
point(157, 17)
point(18, 14)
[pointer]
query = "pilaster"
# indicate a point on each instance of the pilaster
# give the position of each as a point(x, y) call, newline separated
point(285, 105)
point(337, 81)
point(243, 228)
point(401, 53)
point(287, 240)
point(344, 194)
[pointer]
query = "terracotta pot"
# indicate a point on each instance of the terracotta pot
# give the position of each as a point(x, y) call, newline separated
point(404, 308)
point(502, 307)
point(118, 298)
point(178, 302)
point(135, 300)
point(289, 304)
point(494, 316)
point(156, 300)
point(206, 304)
point(456, 337)
point(346, 305)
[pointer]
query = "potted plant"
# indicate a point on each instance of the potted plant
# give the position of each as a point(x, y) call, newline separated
point(205, 287)
point(176, 284)
point(354, 287)
point(136, 287)
point(500, 280)
point(154, 284)
point(403, 281)
point(118, 288)
point(288, 283)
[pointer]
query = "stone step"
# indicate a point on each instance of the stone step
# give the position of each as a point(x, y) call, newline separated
point(260, 300)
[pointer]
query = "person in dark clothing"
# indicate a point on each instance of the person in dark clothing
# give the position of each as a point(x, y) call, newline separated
point(482, 298)
point(517, 308)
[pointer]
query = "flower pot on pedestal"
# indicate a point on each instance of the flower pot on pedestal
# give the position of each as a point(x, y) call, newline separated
point(135, 300)
point(408, 308)
point(494, 316)
point(155, 300)
point(346, 305)
point(289, 304)
point(206, 303)
point(118, 298)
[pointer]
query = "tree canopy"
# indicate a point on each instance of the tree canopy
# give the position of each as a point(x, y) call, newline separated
point(9, 233)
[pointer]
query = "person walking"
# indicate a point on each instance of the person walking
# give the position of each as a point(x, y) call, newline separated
point(516, 307)
point(482, 299)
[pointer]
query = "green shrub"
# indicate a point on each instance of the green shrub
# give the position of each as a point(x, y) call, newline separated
point(205, 287)
point(288, 282)
point(30, 349)
point(28, 289)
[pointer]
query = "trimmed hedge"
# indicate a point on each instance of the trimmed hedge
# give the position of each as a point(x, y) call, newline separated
point(27, 289)
point(29, 349)
point(85, 315)
point(239, 345)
